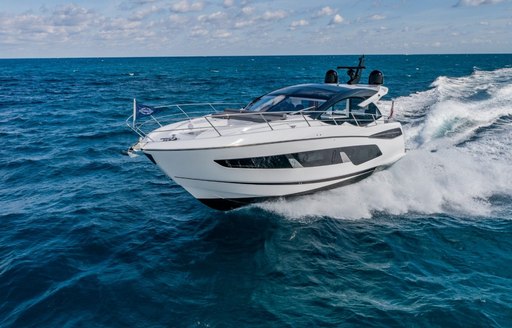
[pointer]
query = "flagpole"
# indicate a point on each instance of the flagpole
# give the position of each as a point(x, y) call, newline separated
point(391, 110)
point(134, 111)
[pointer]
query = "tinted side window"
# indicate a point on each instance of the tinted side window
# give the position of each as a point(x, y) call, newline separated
point(371, 110)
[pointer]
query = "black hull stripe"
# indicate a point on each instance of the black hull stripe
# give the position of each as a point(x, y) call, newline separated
point(226, 204)
point(370, 171)
point(257, 144)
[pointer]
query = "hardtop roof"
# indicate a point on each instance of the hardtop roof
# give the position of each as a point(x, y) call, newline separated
point(326, 91)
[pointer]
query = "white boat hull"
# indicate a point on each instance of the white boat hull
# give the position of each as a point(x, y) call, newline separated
point(199, 166)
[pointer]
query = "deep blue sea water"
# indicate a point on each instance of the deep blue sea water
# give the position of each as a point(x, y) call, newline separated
point(90, 237)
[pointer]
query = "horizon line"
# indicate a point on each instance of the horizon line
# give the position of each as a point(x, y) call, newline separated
point(260, 55)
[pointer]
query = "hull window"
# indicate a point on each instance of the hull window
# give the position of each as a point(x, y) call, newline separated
point(361, 154)
point(319, 157)
point(355, 154)
point(266, 162)
point(389, 134)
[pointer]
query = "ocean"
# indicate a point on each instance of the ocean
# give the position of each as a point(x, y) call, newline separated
point(90, 237)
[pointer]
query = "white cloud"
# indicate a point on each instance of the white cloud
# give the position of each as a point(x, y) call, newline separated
point(325, 11)
point(377, 17)
point(474, 3)
point(143, 13)
point(337, 19)
point(70, 15)
point(298, 23)
point(221, 34)
point(216, 16)
point(119, 25)
point(199, 31)
point(55, 26)
point(243, 23)
point(274, 15)
point(229, 3)
point(131, 4)
point(184, 6)
point(178, 19)
point(248, 10)
point(26, 27)
point(118, 30)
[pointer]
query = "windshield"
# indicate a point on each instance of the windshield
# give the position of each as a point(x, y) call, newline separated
point(282, 103)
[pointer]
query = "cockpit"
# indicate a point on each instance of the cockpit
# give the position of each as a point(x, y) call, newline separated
point(333, 104)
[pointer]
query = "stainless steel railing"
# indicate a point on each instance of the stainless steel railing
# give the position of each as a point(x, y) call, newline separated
point(210, 113)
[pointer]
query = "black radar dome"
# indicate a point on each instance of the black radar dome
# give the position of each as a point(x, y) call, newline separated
point(376, 77)
point(331, 76)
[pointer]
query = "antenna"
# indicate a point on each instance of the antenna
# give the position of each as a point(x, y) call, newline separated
point(354, 72)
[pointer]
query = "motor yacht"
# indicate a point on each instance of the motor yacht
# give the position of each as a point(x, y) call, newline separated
point(293, 141)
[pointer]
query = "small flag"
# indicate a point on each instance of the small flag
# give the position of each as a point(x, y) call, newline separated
point(143, 110)
point(392, 110)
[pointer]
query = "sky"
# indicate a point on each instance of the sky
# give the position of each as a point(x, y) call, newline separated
point(132, 28)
